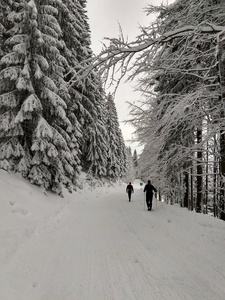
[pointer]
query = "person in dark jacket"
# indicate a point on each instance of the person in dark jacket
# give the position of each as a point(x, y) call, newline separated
point(149, 188)
point(129, 190)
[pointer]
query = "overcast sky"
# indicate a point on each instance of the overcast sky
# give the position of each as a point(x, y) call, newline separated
point(104, 17)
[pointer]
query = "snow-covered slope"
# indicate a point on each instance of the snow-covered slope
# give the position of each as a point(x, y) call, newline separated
point(94, 244)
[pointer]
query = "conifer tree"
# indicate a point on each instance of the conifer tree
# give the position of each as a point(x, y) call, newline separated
point(52, 122)
point(113, 167)
point(91, 110)
point(14, 153)
point(35, 67)
point(135, 158)
point(129, 175)
point(122, 154)
point(135, 162)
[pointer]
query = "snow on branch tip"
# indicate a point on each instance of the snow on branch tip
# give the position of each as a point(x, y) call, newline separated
point(118, 56)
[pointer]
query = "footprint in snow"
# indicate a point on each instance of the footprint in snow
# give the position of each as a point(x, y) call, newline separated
point(20, 211)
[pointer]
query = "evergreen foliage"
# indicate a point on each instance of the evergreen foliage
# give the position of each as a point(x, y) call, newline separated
point(49, 128)
point(135, 158)
point(135, 163)
point(117, 151)
point(129, 175)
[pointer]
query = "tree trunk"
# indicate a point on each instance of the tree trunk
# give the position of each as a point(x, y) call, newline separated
point(186, 184)
point(160, 197)
point(199, 173)
point(222, 175)
point(207, 179)
point(221, 81)
point(192, 190)
point(215, 172)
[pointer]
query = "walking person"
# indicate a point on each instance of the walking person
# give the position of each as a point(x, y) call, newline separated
point(149, 188)
point(129, 190)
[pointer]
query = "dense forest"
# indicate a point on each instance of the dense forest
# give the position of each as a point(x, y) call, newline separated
point(50, 128)
point(179, 61)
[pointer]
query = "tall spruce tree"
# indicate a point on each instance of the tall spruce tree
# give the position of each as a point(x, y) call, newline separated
point(52, 123)
point(15, 87)
point(129, 174)
point(87, 105)
point(94, 146)
point(116, 154)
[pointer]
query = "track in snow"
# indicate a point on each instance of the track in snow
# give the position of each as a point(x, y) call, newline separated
point(105, 248)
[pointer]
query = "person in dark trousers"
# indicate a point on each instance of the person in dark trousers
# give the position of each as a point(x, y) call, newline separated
point(149, 188)
point(129, 190)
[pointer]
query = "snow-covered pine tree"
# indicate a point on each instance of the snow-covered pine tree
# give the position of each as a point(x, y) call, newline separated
point(90, 110)
point(116, 164)
point(3, 9)
point(48, 125)
point(95, 140)
point(14, 148)
point(135, 161)
point(122, 154)
point(129, 174)
point(34, 64)
point(135, 158)
point(113, 163)
point(76, 41)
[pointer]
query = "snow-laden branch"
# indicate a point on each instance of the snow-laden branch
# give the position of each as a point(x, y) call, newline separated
point(118, 55)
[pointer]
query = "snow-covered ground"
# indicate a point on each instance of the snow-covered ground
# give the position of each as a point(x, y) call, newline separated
point(95, 245)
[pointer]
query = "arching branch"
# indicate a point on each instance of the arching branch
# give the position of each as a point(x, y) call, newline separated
point(119, 54)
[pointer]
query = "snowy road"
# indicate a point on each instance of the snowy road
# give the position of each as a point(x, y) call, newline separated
point(106, 248)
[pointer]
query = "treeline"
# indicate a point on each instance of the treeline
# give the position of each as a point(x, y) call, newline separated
point(180, 64)
point(185, 125)
point(53, 124)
